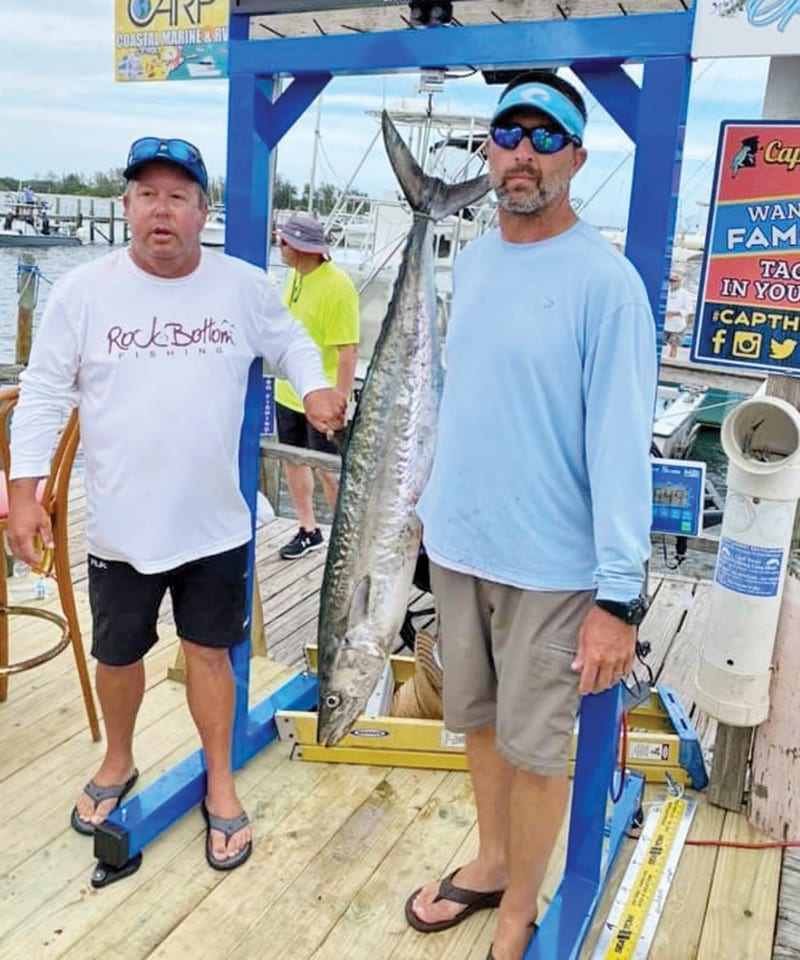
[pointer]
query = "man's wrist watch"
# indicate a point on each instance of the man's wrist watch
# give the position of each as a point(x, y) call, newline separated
point(631, 612)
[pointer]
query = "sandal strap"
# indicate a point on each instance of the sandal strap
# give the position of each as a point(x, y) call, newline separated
point(113, 792)
point(228, 825)
point(449, 891)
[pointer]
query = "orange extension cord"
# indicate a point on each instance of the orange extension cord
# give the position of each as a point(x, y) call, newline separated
point(734, 844)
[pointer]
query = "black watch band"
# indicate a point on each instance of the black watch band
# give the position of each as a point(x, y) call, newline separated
point(631, 612)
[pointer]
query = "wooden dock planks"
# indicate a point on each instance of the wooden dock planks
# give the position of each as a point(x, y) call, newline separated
point(338, 848)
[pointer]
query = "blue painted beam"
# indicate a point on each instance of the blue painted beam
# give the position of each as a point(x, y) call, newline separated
point(145, 816)
point(663, 103)
point(544, 42)
point(614, 90)
point(591, 846)
point(275, 118)
point(595, 762)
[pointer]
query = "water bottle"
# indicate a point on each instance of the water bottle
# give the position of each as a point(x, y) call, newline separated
point(26, 585)
point(19, 584)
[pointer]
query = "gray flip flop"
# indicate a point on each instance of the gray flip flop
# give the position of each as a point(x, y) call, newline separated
point(227, 826)
point(115, 791)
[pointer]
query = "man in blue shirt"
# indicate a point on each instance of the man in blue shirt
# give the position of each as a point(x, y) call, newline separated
point(538, 544)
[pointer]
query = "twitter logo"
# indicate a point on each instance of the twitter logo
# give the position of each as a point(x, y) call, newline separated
point(781, 349)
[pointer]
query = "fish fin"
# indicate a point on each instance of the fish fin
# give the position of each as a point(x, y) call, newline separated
point(359, 603)
point(408, 172)
point(427, 194)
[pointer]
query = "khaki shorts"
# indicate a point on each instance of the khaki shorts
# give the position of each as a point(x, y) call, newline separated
point(507, 656)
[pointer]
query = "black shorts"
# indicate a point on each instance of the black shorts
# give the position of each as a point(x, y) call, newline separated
point(294, 429)
point(208, 603)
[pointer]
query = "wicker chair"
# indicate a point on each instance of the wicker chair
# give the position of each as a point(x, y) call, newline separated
point(53, 495)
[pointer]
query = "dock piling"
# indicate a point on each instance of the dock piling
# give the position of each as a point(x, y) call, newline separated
point(28, 291)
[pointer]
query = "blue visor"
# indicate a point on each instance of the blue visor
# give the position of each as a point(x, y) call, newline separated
point(180, 152)
point(545, 99)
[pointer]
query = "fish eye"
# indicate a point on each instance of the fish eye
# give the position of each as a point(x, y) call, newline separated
point(332, 701)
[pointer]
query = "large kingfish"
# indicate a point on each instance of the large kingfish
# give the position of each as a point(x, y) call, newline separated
point(375, 536)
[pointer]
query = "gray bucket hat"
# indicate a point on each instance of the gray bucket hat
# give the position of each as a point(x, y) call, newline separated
point(306, 235)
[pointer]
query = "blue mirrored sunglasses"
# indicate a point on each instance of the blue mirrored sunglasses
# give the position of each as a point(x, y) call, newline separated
point(543, 140)
point(180, 151)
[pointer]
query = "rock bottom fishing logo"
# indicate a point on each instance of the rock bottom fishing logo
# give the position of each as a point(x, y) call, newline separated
point(166, 339)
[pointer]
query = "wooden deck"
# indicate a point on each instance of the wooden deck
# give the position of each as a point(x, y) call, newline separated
point(338, 848)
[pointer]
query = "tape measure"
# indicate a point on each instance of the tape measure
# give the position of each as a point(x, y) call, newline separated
point(631, 925)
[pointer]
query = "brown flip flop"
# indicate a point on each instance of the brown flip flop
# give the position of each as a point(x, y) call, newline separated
point(490, 954)
point(473, 901)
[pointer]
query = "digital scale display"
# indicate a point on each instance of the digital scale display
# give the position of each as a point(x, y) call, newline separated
point(667, 496)
point(678, 495)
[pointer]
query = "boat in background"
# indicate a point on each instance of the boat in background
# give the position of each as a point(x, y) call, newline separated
point(26, 223)
point(676, 423)
point(213, 232)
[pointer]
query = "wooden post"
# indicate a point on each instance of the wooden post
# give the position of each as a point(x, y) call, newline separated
point(28, 286)
point(270, 481)
point(773, 805)
point(726, 781)
point(112, 222)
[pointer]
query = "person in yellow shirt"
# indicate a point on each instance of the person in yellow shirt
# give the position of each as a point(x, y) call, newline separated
point(324, 299)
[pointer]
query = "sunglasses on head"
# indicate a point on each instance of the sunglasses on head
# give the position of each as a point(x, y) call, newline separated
point(543, 140)
point(181, 151)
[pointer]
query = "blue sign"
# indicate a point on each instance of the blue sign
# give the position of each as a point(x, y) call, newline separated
point(678, 496)
point(755, 571)
point(268, 430)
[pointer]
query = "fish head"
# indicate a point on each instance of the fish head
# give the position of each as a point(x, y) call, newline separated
point(348, 685)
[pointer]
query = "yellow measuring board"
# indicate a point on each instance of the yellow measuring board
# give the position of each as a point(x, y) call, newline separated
point(629, 930)
point(654, 744)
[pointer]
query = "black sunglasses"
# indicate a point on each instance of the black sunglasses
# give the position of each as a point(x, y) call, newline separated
point(543, 140)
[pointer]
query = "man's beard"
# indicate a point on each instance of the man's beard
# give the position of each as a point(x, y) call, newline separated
point(542, 195)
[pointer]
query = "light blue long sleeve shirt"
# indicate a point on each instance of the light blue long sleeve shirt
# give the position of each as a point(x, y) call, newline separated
point(542, 476)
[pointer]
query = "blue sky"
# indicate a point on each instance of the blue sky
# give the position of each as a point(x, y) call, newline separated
point(62, 112)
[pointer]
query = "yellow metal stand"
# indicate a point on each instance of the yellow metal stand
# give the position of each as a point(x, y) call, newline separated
point(653, 749)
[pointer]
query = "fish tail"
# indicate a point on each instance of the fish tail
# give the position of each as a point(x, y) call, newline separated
point(427, 195)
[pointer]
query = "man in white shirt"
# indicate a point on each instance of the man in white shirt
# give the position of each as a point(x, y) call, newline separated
point(154, 343)
point(679, 311)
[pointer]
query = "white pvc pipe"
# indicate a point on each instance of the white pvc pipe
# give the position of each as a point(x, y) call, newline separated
point(761, 439)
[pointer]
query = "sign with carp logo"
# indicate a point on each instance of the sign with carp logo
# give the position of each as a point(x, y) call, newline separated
point(170, 39)
point(748, 311)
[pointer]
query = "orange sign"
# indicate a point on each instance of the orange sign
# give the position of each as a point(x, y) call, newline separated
point(748, 313)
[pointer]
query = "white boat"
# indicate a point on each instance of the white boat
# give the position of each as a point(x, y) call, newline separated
point(676, 424)
point(213, 232)
point(26, 223)
point(367, 235)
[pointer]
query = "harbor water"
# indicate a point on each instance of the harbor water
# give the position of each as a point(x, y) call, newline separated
point(53, 262)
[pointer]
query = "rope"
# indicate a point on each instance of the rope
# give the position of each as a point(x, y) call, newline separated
point(421, 696)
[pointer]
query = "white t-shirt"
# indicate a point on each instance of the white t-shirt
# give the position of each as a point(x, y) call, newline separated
point(159, 371)
point(680, 305)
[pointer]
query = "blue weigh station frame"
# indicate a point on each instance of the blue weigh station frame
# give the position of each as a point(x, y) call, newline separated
point(653, 115)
